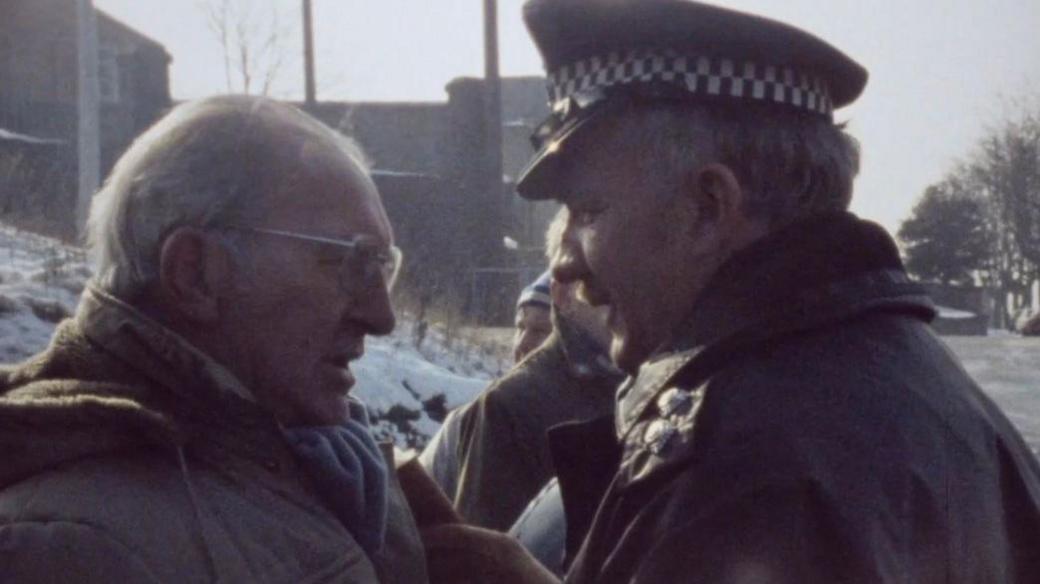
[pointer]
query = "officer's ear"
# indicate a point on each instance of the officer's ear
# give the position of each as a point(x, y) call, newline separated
point(721, 197)
point(722, 208)
point(192, 268)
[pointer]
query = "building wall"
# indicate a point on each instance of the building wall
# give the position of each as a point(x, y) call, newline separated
point(38, 93)
point(972, 299)
point(401, 137)
point(524, 106)
point(38, 67)
point(430, 162)
point(135, 91)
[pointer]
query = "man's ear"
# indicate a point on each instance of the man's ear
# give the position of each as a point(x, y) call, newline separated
point(191, 265)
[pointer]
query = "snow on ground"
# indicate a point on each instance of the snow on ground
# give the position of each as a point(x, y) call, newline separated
point(40, 282)
point(408, 390)
point(1008, 369)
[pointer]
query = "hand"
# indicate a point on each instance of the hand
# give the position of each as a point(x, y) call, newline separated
point(460, 553)
point(430, 506)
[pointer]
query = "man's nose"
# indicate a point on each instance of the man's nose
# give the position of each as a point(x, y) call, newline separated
point(375, 311)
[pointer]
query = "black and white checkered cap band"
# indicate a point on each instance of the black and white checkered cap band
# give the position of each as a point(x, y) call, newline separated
point(710, 76)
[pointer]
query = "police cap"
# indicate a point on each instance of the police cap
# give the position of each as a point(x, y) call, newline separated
point(601, 55)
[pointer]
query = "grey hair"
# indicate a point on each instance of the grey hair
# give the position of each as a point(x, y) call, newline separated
point(790, 166)
point(208, 163)
point(554, 233)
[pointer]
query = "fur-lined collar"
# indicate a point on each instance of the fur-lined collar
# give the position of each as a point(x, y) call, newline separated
point(112, 379)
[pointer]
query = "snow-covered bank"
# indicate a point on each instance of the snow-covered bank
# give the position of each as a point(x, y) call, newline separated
point(40, 283)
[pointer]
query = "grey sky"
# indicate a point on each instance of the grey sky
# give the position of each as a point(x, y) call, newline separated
point(941, 70)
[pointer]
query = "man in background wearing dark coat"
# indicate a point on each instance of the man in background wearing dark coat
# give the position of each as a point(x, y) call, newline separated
point(441, 457)
point(502, 452)
point(790, 415)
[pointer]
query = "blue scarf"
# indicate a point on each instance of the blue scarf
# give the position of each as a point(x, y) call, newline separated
point(349, 471)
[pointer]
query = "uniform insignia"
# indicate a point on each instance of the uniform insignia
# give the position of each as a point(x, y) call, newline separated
point(676, 410)
point(658, 436)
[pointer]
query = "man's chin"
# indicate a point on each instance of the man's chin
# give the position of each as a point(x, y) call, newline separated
point(627, 355)
point(622, 357)
point(336, 378)
point(326, 403)
point(333, 412)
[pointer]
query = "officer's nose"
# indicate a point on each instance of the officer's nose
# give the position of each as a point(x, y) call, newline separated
point(568, 264)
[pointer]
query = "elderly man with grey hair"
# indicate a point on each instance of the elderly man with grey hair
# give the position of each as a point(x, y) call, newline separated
point(192, 422)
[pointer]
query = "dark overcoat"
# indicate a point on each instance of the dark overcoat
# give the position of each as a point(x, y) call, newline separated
point(808, 426)
point(504, 455)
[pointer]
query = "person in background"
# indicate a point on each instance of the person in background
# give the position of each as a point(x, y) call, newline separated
point(192, 422)
point(440, 457)
point(503, 449)
point(533, 317)
point(502, 452)
point(790, 415)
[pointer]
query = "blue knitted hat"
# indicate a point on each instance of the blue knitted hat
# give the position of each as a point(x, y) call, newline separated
point(536, 293)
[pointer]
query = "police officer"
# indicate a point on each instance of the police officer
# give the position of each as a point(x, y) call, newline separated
point(790, 416)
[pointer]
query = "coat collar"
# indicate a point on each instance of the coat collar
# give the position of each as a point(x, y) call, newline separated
point(113, 379)
point(815, 272)
point(156, 351)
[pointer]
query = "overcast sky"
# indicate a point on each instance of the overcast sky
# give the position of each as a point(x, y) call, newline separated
point(941, 71)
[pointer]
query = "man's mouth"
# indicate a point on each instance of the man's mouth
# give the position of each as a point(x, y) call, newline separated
point(339, 365)
point(343, 358)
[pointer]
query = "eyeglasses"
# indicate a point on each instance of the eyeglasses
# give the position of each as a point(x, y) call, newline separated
point(364, 258)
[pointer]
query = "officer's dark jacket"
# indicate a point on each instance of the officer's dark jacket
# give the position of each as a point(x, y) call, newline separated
point(503, 451)
point(808, 426)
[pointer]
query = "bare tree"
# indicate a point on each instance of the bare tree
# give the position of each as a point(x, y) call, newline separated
point(254, 38)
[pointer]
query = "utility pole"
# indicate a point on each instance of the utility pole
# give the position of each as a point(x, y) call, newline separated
point(89, 124)
point(308, 54)
point(492, 97)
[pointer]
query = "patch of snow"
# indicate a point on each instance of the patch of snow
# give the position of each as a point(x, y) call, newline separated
point(402, 386)
point(35, 271)
point(1007, 367)
point(10, 136)
point(402, 173)
point(954, 314)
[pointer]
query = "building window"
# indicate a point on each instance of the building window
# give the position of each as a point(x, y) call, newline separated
point(108, 73)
